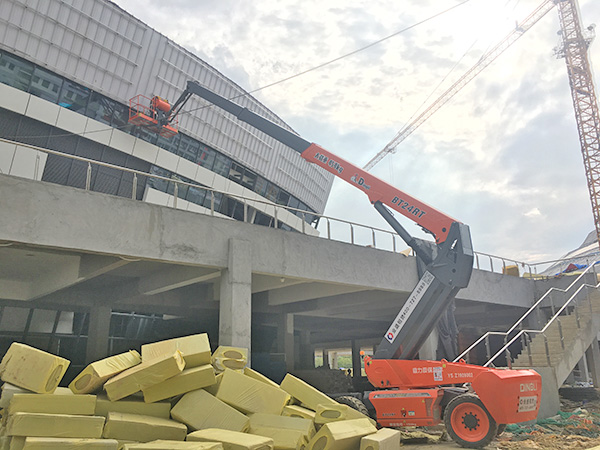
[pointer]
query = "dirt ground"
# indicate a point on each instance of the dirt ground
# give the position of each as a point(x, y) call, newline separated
point(576, 427)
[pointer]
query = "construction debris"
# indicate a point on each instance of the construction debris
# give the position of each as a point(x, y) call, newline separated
point(176, 395)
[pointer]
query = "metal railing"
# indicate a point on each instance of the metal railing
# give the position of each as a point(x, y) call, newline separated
point(328, 227)
point(572, 298)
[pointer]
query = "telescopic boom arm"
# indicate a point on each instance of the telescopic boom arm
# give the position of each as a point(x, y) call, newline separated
point(449, 266)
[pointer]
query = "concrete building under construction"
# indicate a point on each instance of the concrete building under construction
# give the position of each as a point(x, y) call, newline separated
point(112, 236)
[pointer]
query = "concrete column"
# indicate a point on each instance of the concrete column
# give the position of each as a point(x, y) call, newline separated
point(285, 340)
point(593, 355)
point(98, 332)
point(356, 360)
point(429, 348)
point(326, 358)
point(307, 353)
point(235, 309)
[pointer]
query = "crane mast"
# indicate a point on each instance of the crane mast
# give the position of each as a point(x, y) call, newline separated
point(574, 48)
point(483, 62)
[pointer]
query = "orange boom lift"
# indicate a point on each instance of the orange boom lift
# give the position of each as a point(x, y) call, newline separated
point(472, 401)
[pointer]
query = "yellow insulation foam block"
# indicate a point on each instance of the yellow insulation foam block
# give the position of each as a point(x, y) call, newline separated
point(140, 428)
point(261, 420)
point(259, 376)
point(232, 440)
point(8, 390)
point(298, 411)
point(174, 445)
point(342, 435)
point(144, 375)
point(384, 439)
point(195, 349)
point(32, 369)
point(282, 439)
point(188, 380)
point(199, 409)
point(304, 392)
point(53, 404)
point(249, 395)
point(333, 413)
point(234, 358)
point(55, 425)
point(45, 443)
point(132, 406)
point(215, 387)
point(97, 373)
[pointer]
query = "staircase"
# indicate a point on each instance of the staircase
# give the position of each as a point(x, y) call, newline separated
point(565, 339)
point(555, 348)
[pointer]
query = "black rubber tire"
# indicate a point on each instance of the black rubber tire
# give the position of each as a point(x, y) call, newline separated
point(469, 407)
point(501, 428)
point(354, 403)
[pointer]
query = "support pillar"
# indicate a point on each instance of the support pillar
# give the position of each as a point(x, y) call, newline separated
point(307, 353)
point(356, 361)
point(326, 358)
point(98, 333)
point(429, 348)
point(593, 355)
point(235, 309)
point(285, 340)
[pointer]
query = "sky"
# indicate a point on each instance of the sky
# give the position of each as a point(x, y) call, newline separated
point(503, 156)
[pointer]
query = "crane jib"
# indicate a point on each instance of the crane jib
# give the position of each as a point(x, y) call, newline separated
point(432, 220)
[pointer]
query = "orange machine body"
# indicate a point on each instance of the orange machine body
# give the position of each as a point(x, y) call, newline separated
point(511, 396)
point(142, 113)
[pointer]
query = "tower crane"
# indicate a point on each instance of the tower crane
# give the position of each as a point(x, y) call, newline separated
point(574, 48)
point(483, 62)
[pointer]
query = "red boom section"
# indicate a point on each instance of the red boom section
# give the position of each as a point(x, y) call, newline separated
point(511, 396)
point(424, 215)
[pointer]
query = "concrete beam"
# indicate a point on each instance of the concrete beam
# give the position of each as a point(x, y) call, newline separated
point(309, 291)
point(175, 277)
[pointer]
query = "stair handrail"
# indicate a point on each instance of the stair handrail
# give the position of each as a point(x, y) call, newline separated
point(524, 316)
point(543, 330)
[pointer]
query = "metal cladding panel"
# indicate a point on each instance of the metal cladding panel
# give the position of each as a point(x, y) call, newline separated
point(99, 45)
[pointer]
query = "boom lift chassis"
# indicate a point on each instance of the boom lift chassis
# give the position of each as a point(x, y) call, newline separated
point(472, 401)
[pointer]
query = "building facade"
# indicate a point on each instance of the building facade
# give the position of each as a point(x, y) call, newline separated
point(67, 72)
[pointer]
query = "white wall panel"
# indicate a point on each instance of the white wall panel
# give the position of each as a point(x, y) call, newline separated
point(7, 153)
point(28, 163)
point(42, 110)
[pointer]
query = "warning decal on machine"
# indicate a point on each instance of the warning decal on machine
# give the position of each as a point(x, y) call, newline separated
point(409, 306)
point(527, 403)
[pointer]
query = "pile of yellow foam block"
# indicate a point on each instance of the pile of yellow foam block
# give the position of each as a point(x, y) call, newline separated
point(175, 395)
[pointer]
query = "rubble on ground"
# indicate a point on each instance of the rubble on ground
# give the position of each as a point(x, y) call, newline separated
point(176, 394)
point(575, 427)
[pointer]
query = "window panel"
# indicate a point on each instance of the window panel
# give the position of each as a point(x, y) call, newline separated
point(249, 179)
point(283, 198)
point(272, 192)
point(188, 148)
point(222, 165)
point(156, 183)
point(196, 195)
point(45, 85)
point(100, 108)
point(15, 72)
point(235, 173)
point(74, 97)
point(261, 186)
point(206, 157)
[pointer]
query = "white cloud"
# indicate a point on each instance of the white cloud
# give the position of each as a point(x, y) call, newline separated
point(501, 152)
